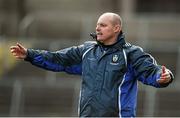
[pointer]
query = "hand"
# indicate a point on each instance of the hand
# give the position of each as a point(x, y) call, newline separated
point(165, 76)
point(19, 51)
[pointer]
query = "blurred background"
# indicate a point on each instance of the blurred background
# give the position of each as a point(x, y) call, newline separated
point(26, 90)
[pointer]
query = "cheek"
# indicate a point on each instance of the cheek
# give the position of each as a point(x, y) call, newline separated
point(108, 32)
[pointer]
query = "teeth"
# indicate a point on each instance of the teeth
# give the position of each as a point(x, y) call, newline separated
point(98, 33)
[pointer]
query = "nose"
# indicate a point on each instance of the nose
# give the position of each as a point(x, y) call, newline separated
point(97, 28)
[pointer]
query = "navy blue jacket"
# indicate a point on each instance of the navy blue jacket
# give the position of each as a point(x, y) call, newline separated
point(109, 74)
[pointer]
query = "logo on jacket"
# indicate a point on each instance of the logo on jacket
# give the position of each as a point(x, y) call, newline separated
point(115, 58)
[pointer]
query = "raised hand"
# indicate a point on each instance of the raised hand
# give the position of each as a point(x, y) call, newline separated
point(19, 51)
point(165, 76)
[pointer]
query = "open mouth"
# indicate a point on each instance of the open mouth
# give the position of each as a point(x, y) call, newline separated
point(99, 33)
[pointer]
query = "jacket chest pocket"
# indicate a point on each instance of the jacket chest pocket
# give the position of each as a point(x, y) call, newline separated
point(116, 68)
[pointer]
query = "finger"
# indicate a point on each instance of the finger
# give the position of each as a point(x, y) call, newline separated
point(13, 47)
point(14, 50)
point(15, 55)
point(162, 81)
point(19, 45)
point(18, 57)
point(164, 74)
point(165, 77)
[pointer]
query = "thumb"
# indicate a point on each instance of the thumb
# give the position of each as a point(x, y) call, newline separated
point(163, 69)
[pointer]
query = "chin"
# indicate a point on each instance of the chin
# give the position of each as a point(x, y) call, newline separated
point(98, 39)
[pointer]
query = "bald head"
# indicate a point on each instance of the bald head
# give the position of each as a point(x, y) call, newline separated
point(108, 27)
point(113, 17)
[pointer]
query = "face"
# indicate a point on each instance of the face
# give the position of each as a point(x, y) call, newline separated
point(105, 30)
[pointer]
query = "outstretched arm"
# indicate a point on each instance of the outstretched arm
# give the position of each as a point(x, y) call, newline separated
point(146, 69)
point(20, 52)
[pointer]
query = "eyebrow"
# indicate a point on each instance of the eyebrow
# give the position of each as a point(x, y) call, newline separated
point(104, 24)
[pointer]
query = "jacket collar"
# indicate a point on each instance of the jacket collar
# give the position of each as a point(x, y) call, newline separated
point(120, 41)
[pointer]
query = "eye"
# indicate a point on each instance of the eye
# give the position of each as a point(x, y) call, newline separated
point(103, 25)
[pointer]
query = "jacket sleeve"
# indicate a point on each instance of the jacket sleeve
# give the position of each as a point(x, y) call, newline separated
point(67, 60)
point(74, 69)
point(145, 67)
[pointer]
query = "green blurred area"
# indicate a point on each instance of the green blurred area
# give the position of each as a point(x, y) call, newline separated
point(7, 61)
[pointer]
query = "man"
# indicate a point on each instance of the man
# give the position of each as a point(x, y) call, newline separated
point(110, 69)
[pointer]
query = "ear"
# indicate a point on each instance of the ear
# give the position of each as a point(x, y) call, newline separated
point(117, 28)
